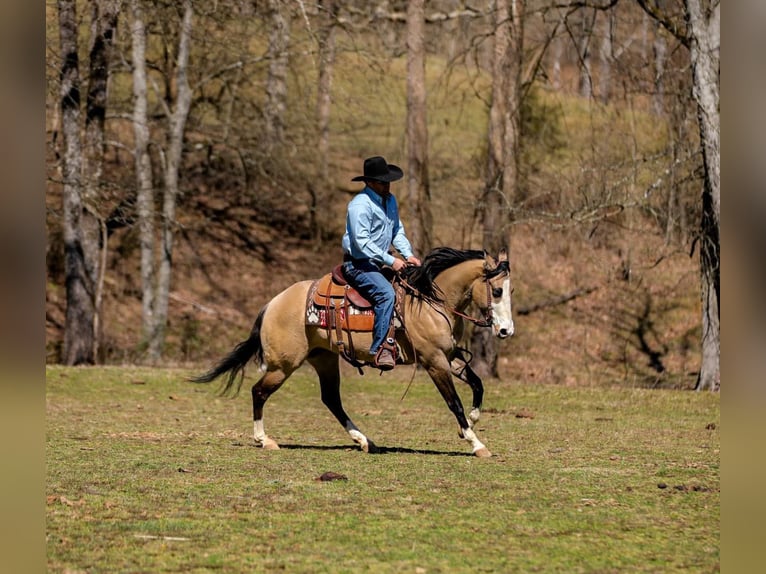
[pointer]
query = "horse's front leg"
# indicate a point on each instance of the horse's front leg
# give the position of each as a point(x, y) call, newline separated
point(440, 374)
point(462, 370)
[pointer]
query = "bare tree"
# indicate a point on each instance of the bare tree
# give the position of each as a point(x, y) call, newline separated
point(328, 14)
point(230, 83)
point(82, 167)
point(584, 39)
point(660, 51)
point(514, 62)
point(276, 84)
point(80, 286)
point(557, 55)
point(705, 42)
point(703, 38)
point(156, 276)
point(418, 187)
point(606, 56)
point(104, 15)
point(502, 152)
point(145, 188)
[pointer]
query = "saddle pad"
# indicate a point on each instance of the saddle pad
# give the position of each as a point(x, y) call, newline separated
point(356, 320)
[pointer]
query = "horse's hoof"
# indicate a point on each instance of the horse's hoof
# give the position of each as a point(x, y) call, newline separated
point(270, 444)
point(483, 452)
point(370, 447)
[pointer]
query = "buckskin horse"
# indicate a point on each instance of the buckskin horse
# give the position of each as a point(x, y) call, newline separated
point(432, 311)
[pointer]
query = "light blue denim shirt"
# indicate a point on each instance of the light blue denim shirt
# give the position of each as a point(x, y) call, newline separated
point(370, 231)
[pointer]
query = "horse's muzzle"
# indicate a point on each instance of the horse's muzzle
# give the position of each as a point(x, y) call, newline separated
point(505, 332)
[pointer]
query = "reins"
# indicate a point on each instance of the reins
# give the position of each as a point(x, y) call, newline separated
point(487, 321)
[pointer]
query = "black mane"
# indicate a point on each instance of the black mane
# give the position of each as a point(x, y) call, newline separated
point(439, 259)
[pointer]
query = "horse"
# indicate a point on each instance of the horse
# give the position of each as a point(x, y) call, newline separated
point(437, 296)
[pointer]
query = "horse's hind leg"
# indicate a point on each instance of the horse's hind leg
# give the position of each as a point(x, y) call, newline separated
point(261, 391)
point(326, 365)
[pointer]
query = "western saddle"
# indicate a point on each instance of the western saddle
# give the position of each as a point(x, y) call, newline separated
point(336, 306)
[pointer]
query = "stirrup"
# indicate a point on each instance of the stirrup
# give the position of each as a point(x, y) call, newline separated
point(384, 366)
point(388, 345)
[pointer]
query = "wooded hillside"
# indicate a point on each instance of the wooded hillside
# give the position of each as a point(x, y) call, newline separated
point(600, 185)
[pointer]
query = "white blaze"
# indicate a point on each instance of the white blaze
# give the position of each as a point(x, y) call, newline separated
point(502, 318)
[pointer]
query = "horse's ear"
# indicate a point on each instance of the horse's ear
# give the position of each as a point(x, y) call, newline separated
point(489, 261)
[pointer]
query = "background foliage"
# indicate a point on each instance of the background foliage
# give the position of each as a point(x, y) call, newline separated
point(609, 198)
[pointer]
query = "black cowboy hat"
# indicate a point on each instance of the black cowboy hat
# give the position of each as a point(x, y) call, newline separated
point(376, 169)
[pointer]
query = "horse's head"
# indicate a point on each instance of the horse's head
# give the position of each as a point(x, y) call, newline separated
point(492, 294)
point(454, 278)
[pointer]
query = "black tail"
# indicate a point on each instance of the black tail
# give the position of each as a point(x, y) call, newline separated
point(234, 363)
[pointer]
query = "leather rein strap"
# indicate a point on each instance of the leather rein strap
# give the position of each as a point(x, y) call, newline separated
point(487, 321)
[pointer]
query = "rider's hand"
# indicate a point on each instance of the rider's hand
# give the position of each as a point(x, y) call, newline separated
point(398, 265)
point(412, 260)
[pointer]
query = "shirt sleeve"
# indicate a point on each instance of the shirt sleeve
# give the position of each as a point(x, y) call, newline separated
point(400, 240)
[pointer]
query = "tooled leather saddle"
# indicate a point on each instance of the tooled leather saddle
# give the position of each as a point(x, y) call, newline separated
point(334, 304)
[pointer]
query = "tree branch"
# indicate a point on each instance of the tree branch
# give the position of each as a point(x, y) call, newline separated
point(399, 16)
point(587, 4)
point(556, 300)
point(664, 20)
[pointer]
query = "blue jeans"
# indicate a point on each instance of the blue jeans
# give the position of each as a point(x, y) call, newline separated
point(366, 277)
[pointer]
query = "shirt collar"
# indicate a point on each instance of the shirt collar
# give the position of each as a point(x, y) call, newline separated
point(374, 196)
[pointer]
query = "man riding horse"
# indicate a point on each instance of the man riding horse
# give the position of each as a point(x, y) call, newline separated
point(433, 312)
point(372, 226)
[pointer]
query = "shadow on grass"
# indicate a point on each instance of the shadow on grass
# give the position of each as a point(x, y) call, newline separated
point(379, 449)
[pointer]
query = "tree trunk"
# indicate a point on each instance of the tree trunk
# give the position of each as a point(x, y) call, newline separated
point(676, 224)
point(660, 50)
point(104, 15)
point(170, 194)
point(606, 55)
point(705, 41)
point(513, 191)
point(145, 189)
point(588, 17)
point(491, 201)
point(502, 155)
point(556, 55)
point(80, 284)
point(320, 188)
point(418, 187)
point(276, 83)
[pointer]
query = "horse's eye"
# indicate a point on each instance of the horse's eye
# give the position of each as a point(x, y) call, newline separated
point(497, 292)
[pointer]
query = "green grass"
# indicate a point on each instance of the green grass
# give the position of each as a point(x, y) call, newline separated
point(148, 473)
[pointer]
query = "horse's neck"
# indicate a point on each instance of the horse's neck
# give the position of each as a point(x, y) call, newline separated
point(456, 282)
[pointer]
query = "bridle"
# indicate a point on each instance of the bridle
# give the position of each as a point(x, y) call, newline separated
point(487, 321)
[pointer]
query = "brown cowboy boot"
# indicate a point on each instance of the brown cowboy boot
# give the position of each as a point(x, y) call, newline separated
point(384, 360)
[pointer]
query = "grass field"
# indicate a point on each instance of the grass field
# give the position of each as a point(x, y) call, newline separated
point(149, 473)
